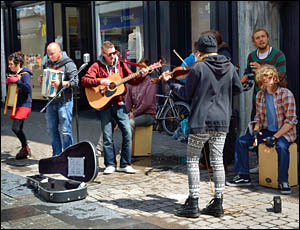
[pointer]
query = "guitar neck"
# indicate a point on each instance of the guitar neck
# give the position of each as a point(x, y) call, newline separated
point(124, 80)
point(151, 67)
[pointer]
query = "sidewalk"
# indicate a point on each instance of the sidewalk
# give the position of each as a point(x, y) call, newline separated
point(147, 199)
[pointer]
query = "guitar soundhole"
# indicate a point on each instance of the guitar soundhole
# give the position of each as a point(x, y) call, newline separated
point(110, 93)
point(112, 85)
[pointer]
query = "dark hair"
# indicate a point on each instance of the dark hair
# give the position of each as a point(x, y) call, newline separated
point(218, 37)
point(195, 46)
point(145, 60)
point(17, 58)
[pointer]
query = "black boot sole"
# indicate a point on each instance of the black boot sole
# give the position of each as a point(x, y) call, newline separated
point(196, 215)
point(212, 214)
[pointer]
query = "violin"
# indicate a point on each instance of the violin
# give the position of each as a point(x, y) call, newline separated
point(180, 72)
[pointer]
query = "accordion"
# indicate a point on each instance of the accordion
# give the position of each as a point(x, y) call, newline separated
point(12, 97)
point(48, 76)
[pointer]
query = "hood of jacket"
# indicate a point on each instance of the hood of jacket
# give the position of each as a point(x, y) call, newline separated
point(102, 60)
point(219, 65)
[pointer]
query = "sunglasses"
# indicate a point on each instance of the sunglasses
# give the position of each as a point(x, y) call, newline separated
point(110, 54)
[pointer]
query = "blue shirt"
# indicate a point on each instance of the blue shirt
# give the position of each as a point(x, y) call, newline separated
point(190, 60)
point(271, 113)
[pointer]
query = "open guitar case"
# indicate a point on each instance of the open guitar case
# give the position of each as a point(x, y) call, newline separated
point(78, 163)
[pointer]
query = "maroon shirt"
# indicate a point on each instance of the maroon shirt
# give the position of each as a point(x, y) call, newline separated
point(141, 98)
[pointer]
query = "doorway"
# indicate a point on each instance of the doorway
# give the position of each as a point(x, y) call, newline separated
point(72, 31)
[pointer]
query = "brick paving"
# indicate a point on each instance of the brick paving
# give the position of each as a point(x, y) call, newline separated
point(147, 199)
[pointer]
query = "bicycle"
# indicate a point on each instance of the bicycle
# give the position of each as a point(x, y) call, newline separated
point(170, 113)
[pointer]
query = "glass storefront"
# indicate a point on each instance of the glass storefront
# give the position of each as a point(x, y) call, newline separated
point(31, 33)
point(121, 23)
point(200, 15)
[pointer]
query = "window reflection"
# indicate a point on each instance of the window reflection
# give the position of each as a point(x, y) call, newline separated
point(200, 14)
point(31, 33)
point(122, 24)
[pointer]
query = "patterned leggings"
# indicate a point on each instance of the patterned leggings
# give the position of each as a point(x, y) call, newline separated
point(196, 142)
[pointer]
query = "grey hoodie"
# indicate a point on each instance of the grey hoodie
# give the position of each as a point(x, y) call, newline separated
point(210, 86)
point(70, 71)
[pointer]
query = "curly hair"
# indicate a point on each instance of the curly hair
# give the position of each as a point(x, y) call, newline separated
point(17, 58)
point(269, 71)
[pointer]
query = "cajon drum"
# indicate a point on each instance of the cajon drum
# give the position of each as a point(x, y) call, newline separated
point(12, 97)
point(142, 141)
point(268, 166)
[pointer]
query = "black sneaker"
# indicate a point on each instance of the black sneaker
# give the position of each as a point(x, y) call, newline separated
point(285, 188)
point(239, 181)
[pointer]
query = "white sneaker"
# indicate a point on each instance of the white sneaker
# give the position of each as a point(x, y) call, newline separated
point(109, 170)
point(254, 170)
point(127, 169)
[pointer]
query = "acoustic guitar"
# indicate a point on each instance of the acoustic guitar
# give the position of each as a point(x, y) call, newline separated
point(99, 96)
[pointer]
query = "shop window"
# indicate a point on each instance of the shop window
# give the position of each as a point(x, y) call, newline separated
point(121, 23)
point(200, 15)
point(31, 35)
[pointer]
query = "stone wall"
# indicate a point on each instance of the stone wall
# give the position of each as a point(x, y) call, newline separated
point(253, 15)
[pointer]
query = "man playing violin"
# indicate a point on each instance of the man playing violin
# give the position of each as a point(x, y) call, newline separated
point(210, 86)
point(114, 111)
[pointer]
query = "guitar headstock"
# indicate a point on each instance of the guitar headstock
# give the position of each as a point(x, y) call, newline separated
point(155, 65)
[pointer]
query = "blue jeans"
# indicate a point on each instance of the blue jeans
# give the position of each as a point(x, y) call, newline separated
point(60, 113)
point(241, 161)
point(110, 116)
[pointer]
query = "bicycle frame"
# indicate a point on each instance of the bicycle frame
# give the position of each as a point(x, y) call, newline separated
point(170, 113)
point(168, 100)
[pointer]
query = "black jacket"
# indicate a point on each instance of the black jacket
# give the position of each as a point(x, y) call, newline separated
point(210, 86)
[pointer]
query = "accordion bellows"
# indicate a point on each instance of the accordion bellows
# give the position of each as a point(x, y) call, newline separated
point(48, 76)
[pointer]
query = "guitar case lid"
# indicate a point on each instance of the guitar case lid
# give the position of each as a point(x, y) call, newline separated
point(78, 162)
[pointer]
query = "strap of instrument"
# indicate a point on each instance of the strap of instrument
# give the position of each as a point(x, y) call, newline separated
point(65, 61)
point(133, 64)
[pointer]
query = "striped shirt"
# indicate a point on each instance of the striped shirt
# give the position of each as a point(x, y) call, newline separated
point(285, 108)
point(276, 58)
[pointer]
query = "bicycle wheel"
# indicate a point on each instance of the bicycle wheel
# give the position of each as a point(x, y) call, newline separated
point(173, 116)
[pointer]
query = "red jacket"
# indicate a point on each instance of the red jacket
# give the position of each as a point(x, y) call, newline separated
point(99, 71)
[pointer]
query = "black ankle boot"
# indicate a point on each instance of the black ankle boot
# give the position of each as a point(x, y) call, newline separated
point(189, 209)
point(214, 208)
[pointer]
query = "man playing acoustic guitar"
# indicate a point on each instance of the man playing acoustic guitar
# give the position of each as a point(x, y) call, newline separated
point(100, 77)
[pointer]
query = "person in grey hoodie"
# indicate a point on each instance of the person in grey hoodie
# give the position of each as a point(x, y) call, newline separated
point(59, 112)
point(210, 86)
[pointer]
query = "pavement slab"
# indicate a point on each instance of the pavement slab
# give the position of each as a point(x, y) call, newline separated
point(145, 200)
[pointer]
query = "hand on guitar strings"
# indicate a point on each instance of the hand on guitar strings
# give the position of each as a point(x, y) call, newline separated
point(144, 72)
point(105, 82)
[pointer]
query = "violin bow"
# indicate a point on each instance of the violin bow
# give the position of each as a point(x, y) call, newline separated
point(174, 51)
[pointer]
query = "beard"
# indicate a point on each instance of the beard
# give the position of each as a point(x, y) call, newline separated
point(264, 48)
